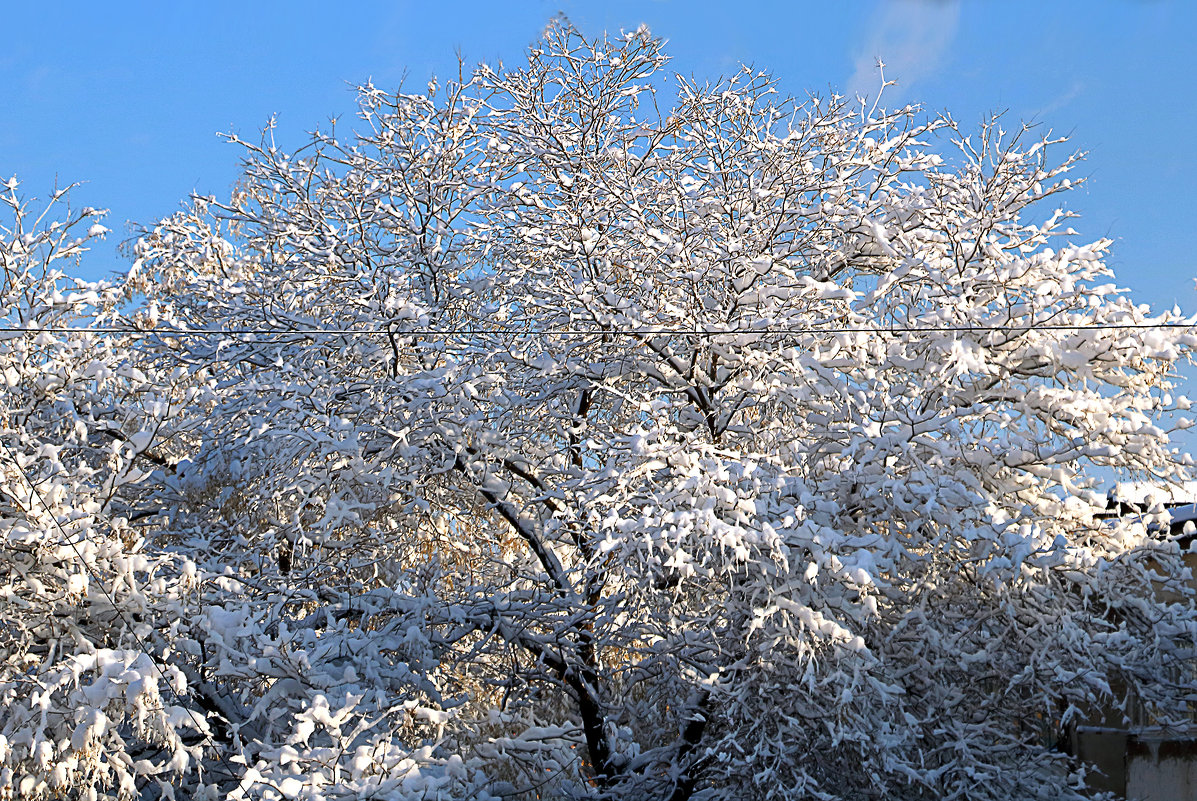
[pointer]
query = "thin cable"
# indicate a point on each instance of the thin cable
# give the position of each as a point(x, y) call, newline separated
point(200, 727)
point(633, 332)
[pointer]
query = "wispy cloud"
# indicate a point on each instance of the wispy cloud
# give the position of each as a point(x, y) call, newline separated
point(910, 37)
point(1060, 101)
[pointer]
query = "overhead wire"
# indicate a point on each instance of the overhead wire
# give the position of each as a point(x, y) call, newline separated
point(635, 332)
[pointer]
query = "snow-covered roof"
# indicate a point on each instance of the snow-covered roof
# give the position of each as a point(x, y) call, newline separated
point(1142, 493)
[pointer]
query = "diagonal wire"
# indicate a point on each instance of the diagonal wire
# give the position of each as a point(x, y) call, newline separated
point(200, 727)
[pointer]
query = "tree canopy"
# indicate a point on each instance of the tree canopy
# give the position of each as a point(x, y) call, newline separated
point(577, 429)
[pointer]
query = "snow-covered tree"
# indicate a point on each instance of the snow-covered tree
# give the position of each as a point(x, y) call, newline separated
point(580, 430)
point(87, 705)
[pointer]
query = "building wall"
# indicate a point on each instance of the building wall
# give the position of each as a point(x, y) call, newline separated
point(1104, 749)
point(1161, 770)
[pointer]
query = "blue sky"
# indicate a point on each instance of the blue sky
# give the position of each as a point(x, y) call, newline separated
point(129, 96)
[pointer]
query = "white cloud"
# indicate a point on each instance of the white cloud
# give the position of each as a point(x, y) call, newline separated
point(1059, 101)
point(910, 37)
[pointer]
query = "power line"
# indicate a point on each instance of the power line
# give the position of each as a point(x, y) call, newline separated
point(581, 332)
